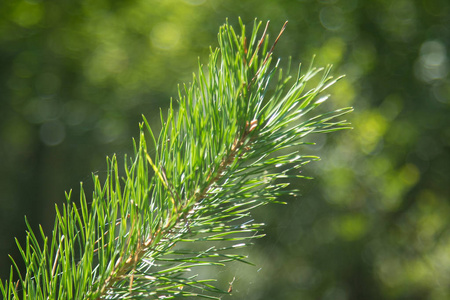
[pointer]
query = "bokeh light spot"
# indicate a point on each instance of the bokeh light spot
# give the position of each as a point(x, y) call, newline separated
point(333, 50)
point(371, 128)
point(165, 36)
point(42, 109)
point(52, 133)
point(332, 17)
point(351, 227)
point(432, 63)
point(27, 14)
point(410, 174)
point(110, 128)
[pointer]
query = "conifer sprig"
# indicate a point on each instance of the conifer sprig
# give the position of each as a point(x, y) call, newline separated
point(222, 151)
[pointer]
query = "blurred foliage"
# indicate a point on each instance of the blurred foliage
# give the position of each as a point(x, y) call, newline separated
point(75, 77)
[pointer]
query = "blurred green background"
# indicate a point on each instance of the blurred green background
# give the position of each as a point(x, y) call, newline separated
point(75, 77)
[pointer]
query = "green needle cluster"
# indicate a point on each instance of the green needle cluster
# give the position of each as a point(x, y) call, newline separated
point(226, 146)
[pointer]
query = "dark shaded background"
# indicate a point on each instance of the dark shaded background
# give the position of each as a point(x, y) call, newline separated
point(75, 77)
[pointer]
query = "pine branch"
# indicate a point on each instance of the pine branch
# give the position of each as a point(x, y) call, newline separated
point(225, 151)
